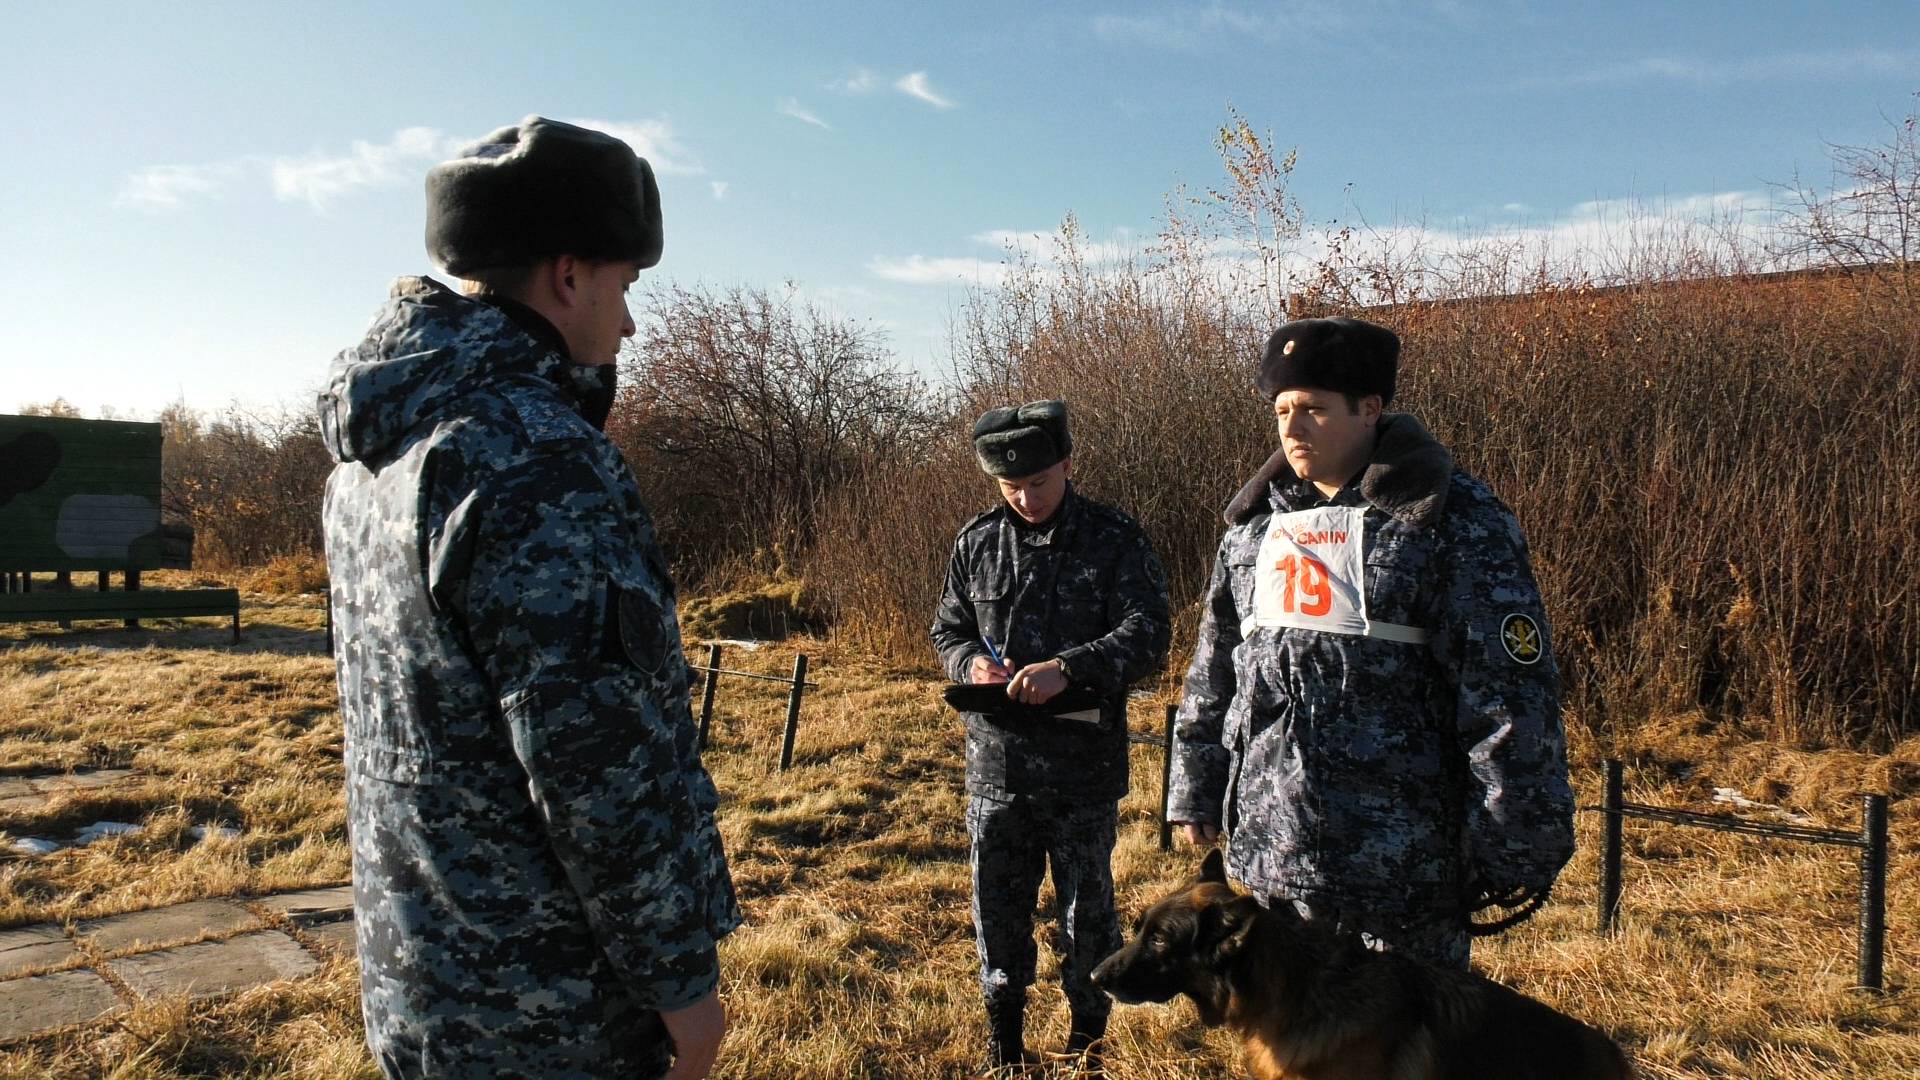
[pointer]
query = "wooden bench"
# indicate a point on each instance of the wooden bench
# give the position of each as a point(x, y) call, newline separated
point(43, 605)
point(81, 496)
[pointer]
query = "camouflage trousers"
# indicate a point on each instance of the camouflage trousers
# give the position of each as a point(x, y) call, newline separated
point(1013, 843)
point(1440, 940)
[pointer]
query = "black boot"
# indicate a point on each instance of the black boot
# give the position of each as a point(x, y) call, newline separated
point(1006, 1042)
point(1084, 1041)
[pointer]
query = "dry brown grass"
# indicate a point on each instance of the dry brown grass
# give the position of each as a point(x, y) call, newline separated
point(1733, 961)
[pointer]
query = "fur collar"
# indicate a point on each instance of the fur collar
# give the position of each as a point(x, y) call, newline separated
point(1407, 476)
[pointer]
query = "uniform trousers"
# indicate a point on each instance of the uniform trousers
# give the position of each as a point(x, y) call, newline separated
point(1013, 843)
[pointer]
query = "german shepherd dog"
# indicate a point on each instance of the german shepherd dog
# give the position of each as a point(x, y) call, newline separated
point(1311, 1005)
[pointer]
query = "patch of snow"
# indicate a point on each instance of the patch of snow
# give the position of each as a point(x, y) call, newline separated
point(100, 830)
point(218, 832)
point(1732, 797)
point(33, 845)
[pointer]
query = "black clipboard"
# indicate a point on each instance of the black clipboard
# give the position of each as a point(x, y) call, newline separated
point(1074, 704)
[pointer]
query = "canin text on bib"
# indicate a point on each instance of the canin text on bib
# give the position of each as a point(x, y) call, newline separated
point(1312, 573)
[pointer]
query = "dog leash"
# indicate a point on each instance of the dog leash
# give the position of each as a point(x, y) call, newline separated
point(1517, 906)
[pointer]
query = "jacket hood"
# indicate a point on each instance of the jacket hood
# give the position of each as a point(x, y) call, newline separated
point(1408, 475)
point(427, 348)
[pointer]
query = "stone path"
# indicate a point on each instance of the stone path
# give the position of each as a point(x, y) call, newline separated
point(25, 794)
point(53, 976)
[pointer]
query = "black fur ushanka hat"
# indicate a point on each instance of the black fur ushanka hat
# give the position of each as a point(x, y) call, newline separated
point(1016, 441)
point(538, 189)
point(1348, 356)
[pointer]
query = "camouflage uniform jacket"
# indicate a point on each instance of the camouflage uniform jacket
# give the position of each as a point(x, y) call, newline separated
point(1355, 770)
point(535, 859)
point(1087, 589)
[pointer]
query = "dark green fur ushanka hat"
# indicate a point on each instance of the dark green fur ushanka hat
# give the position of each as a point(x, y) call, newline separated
point(538, 189)
point(1347, 356)
point(1012, 442)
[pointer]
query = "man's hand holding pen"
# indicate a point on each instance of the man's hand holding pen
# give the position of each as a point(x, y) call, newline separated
point(1034, 684)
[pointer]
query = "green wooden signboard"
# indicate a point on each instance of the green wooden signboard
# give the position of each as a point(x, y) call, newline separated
point(80, 495)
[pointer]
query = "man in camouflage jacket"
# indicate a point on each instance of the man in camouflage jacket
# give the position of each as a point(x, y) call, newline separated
point(538, 882)
point(1070, 594)
point(1371, 713)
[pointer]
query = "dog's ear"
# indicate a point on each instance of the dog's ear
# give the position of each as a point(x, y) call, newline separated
point(1213, 867)
point(1226, 927)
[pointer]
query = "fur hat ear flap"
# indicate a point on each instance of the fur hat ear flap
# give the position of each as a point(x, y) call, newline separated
point(1213, 867)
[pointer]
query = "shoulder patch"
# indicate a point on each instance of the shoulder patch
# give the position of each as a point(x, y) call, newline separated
point(546, 418)
point(1521, 637)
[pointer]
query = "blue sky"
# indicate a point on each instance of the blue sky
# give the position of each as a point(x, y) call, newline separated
point(205, 201)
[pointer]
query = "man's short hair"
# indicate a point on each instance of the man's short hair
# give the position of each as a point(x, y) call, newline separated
point(508, 281)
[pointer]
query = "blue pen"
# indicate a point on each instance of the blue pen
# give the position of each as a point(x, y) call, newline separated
point(991, 651)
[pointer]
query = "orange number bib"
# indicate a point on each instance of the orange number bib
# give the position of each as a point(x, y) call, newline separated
point(1313, 575)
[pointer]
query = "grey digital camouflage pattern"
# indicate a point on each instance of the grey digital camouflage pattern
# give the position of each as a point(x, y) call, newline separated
point(1372, 776)
point(1013, 843)
point(536, 868)
point(1088, 589)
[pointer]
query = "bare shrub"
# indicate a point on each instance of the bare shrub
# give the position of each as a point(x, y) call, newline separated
point(885, 537)
point(740, 411)
point(249, 482)
point(1868, 218)
point(58, 407)
point(1717, 477)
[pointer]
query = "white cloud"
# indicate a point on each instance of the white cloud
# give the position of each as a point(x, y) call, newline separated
point(861, 81)
point(922, 270)
point(1607, 240)
point(654, 140)
point(793, 108)
point(1039, 248)
point(165, 187)
point(915, 85)
point(1688, 207)
point(719, 189)
point(321, 177)
point(1045, 245)
point(317, 179)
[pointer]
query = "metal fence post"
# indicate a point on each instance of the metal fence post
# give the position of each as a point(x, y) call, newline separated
point(706, 695)
point(1610, 850)
point(793, 709)
point(1166, 781)
point(1873, 890)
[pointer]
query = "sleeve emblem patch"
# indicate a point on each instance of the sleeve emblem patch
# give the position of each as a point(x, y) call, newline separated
point(1520, 636)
